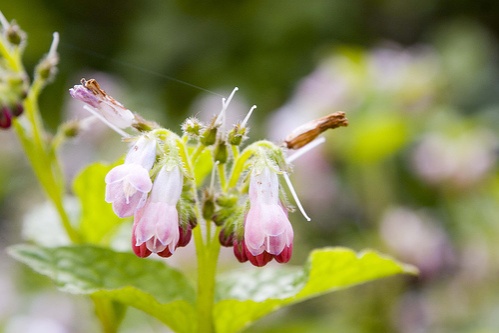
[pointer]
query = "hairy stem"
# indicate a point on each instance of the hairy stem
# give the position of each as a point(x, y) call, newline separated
point(207, 257)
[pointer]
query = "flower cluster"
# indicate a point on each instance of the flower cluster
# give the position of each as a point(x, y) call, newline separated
point(157, 227)
point(13, 83)
point(157, 182)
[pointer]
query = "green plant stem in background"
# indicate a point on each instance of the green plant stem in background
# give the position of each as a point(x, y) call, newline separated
point(109, 312)
point(42, 158)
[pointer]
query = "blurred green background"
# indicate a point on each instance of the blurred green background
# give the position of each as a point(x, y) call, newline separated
point(415, 175)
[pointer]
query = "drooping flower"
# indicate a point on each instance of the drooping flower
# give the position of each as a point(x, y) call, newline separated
point(104, 105)
point(127, 185)
point(267, 231)
point(156, 225)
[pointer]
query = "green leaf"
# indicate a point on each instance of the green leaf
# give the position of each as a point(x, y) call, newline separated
point(203, 166)
point(98, 221)
point(248, 295)
point(145, 284)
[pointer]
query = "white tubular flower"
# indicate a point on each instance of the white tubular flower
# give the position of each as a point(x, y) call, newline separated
point(267, 231)
point(156, 225)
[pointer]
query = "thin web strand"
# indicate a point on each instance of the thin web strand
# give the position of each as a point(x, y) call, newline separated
point(137, 68)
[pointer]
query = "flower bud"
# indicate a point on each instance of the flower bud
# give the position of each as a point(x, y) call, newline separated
point(5, 117)
point(208, 205)
point(236, 135)
point(47, 67)
point(220, 153)
point(239, 252)
point(17, 110)
point(71, 129)
point(185, 236)
point(226, 238)
point(209, 135)
point(15, 35)
point(192, 127)
point(227, 200)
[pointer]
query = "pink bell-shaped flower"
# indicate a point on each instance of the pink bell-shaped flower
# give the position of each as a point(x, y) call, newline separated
point(267, 231)
point(127, 185)
point(156, 224)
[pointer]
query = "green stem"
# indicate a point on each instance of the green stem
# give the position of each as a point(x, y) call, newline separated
point(11, 56)
point(235, 152)
point(237, 168)
point(109, 312)
point(42, 159)
point(221, 175)
point(197, 152)
point(207, 257)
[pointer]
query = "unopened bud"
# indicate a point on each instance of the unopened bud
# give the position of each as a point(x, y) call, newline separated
point(71, 129)
point(236, 135)
point(17, 110)
point(208, 205)
point(228, 200)
point(226, 237)
point(192, 127)
point(15, 35)
point(306, 133)
point(5, 117)
point(47, 68)
point(193, 222)
point(185, 236)
point(209, 135)
point(220, 152)
point(239, 251)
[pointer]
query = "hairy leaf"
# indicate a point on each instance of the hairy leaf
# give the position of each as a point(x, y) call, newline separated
point(148, 285)
point(246, 296)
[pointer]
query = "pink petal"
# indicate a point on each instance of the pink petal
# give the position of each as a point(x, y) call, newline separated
point(157, 226)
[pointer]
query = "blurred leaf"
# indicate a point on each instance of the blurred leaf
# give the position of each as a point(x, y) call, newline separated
point(248, 295)
point(42, 224)
point(97, 217)
point(376, 136)
point(148, 285)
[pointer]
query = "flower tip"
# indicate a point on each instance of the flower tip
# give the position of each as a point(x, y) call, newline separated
point(55, 43)
point(3, 21)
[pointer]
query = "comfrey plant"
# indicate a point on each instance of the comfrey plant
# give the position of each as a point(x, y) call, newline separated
point(201, 185)
point(249, 211)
